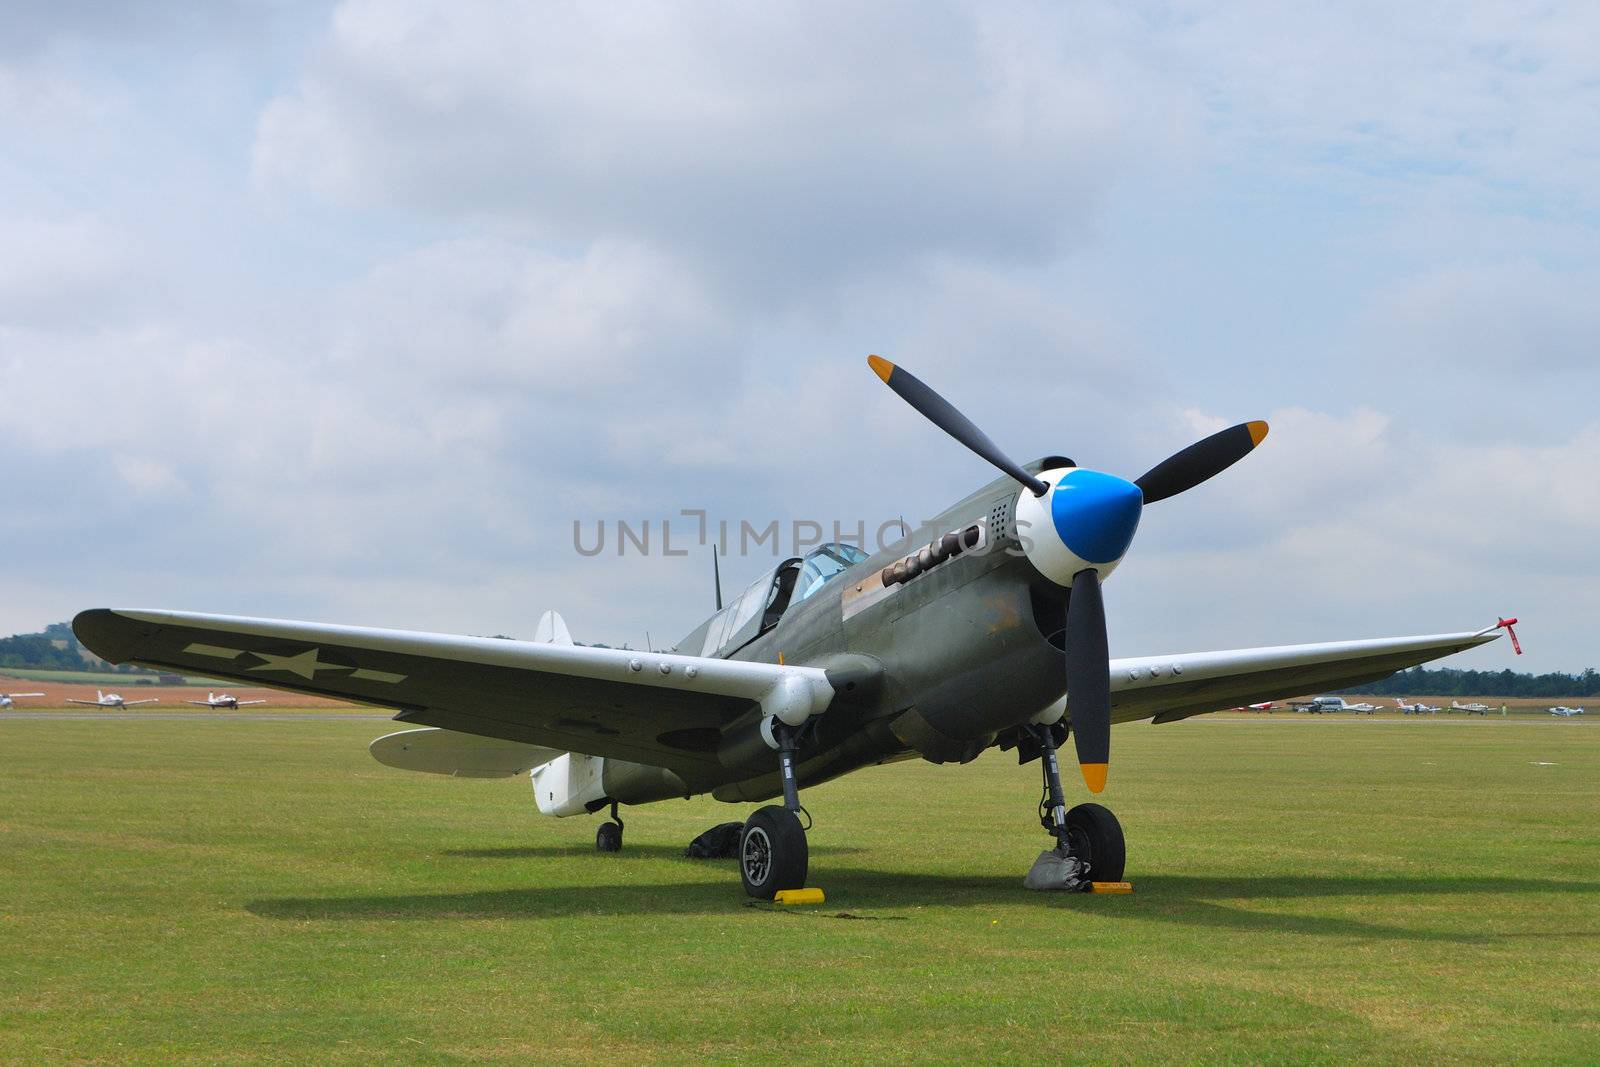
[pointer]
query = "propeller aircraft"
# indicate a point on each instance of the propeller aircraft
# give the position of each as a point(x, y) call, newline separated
point(112, 700)
point(7, 698)
point(224, 700)
point(1471, 709)
point(992, 633)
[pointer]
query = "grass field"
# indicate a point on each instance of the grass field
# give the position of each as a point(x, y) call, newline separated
point(168, 699)
point(1307, 890)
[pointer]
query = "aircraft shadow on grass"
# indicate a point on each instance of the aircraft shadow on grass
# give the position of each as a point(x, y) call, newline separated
point(575, 851)
point(1185, 900)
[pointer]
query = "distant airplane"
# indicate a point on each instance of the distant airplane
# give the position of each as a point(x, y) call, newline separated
point(1324, 704)
point(5, 698)
point(1265, 705)
point(1470, 709)
point(223, 700)
point(1565, 712)
point(112, 700)
point(1418, 708)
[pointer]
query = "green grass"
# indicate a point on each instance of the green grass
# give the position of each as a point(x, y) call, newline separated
point(79, 677)
point(1307, 891)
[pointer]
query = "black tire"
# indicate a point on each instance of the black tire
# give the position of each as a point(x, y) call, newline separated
point(608, 838)
point(772, 852)
point(1096, 837)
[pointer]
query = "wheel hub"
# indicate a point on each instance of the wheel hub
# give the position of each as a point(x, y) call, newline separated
point(756, 855)
point(1078, 845)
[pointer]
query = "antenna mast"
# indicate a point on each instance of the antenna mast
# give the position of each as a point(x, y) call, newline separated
point(716, 575)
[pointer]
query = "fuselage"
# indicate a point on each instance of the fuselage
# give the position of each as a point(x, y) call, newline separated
point(938, 664)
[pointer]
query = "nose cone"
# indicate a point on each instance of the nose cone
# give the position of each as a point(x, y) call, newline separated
point(1096, 514)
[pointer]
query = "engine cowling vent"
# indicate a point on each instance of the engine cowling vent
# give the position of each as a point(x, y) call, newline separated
point(1002, 522)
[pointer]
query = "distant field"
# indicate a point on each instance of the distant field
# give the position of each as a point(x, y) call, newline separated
point(1308, 890)
point(1535, 706)
point(81, 677)
point(170, 698)
point(97, 678)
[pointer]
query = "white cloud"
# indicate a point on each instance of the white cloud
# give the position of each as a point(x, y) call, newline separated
point(793, 144)
point(357, 331)
point(148, 477)
point(1513, 321)
point(1355, 523)
point(61, 270)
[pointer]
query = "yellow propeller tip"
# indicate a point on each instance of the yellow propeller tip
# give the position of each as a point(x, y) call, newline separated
point(880, 366)
point(1258, 431)
point(1094, 776)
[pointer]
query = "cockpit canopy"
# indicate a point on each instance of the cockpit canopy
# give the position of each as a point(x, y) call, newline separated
point(762, 603)
point(823, 564)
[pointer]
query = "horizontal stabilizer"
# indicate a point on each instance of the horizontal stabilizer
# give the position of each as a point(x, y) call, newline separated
point(463, 755)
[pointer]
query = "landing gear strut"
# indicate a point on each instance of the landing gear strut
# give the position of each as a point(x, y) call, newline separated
point(608, 838)
point(1089, 839)
point(773, 854)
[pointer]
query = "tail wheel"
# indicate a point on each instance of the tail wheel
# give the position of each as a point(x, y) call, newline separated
point(772, 852)
point(1095, 836)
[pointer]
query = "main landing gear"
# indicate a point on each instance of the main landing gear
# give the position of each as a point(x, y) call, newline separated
point(608, 838)
point(773, 854)
point(1089, 841)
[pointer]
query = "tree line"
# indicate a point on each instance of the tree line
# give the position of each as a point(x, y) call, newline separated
point(55, 649)
point(1451, 682)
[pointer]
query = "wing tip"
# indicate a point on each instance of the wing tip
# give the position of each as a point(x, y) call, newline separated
point(105, 633)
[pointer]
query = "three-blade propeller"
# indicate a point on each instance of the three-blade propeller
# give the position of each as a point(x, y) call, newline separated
point(1088, 663)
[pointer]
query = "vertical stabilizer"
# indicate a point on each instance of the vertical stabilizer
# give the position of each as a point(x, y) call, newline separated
point(552, 630)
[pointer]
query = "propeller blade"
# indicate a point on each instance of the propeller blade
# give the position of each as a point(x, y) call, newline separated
point(1089, 678)
point(937, 410)
point(1203, 459)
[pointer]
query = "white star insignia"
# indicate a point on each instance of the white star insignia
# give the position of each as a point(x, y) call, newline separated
point(306, 664)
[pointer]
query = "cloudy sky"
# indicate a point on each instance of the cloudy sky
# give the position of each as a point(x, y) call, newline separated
point(348, 312)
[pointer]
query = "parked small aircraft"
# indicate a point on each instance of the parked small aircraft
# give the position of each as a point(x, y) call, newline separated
point(991, 634)
point(214, 700)
point(6, 698)
point(1562, 711)
point(112, 700)
point(1470, 709)
point(1323, 705)
point(1418, 708)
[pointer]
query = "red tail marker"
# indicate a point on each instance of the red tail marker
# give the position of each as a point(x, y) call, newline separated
point(1516, 645)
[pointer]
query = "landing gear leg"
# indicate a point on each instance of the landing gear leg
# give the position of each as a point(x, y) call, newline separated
point(1088, 837)
point(773, 854)
point(608, 838)
point(1053, 805)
